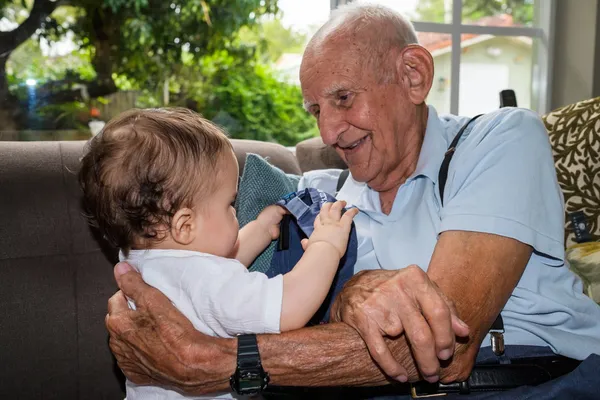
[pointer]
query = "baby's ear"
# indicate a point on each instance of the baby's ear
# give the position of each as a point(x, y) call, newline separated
point(183, 226)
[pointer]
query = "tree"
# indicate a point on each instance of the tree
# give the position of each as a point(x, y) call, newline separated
point(144, 39)
point(473, 10)
point(521, 10)
point(9, 41)
point(249, 102)
point(273, 39)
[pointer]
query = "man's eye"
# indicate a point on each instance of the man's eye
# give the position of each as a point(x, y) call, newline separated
point(344, 98)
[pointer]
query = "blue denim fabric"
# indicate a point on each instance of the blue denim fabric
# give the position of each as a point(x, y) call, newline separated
point(304, 207)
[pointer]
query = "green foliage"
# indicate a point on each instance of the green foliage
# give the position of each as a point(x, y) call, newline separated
point(249, 102)
point(522, 11)
point(27, 61)
point(273, 39)
point(72, 115)
point(430, 11)
point(214, 54)
point(153, 35)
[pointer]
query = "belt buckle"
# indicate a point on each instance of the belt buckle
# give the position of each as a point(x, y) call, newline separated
point(415, 395)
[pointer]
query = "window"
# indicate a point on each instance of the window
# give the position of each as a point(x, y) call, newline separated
point(238, 64)
point(482, 47)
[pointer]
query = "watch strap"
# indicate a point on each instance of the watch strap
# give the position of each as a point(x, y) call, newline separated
point(249, 376)
point(247, 352)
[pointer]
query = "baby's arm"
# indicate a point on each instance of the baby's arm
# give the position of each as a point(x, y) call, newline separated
point(256, 235)
point(307, 285)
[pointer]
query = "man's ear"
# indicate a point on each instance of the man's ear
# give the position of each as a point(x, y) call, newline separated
point(183, 226)
point(416, 69)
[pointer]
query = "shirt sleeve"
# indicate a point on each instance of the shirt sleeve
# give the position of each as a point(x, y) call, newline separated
point(502, 181)
point(231, 300)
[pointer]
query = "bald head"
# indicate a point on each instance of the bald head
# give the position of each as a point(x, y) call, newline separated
point(373, 31)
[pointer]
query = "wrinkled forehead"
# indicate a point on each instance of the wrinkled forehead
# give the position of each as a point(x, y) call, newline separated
point(331, 65)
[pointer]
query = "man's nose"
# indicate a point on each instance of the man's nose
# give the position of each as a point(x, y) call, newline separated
point(332, 125)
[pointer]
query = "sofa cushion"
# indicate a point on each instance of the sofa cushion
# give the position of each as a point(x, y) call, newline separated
point(314, 154)
point(276, 154)
point(574, 132)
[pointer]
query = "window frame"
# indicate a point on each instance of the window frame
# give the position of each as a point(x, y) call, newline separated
point(541, 82)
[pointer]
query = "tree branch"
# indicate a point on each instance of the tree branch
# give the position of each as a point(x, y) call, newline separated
point(12, 39)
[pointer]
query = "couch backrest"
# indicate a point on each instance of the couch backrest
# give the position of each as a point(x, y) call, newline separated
point(314, 154)
point(55, 277)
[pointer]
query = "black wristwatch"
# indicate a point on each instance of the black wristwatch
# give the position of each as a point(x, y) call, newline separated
point(249, 376)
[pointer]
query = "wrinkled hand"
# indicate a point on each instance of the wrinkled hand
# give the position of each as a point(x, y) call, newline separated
point(332, 227)
point(270, 218)
point(388, 303)
point(156, 344)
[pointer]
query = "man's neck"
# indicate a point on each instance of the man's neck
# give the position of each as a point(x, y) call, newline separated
point(408, 165)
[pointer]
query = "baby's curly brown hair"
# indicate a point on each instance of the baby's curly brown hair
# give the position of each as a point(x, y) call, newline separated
point(144, 166)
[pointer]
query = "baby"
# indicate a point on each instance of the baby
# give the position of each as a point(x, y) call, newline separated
point(160, 185)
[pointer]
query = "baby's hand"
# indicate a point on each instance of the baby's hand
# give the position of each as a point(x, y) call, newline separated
point(269, 220)
point(332, 227)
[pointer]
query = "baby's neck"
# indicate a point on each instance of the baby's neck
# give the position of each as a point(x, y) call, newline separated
point(166, 244)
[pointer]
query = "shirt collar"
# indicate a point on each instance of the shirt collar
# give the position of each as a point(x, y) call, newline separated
point(433, 149)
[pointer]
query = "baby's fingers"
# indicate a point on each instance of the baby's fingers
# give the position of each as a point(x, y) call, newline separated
point(349, 216)
point(335, 212)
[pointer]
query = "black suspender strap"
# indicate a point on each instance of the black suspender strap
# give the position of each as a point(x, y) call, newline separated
point(443, 174)
point(341, 180)
point(497, 329)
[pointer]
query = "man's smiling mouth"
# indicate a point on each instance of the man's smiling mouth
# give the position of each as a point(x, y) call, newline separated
point(354, 145)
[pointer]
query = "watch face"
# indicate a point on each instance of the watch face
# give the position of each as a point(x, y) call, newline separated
point(248, 382)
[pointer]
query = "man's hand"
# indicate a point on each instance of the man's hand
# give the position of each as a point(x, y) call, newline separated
point(156, 344)
point(269, 220)
point(388, 303)
point(332, 227)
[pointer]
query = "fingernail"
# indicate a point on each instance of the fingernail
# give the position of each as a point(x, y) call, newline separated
point(402, 378)
point(445, 354)
point(462, 323)
point(432, 379)
point(122, 268)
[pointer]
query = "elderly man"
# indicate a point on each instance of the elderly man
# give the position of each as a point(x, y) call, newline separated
point(491, 240)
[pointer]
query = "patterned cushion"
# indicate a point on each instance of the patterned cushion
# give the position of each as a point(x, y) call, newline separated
point(574, 132)
point(584, 259)
point(261, 185)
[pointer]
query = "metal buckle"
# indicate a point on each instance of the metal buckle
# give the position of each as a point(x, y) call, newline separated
point(497, 341)
point(415, 395)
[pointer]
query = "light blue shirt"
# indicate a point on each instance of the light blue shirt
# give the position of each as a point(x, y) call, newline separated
point(502, 181)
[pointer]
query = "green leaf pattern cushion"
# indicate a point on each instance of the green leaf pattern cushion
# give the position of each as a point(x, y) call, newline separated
point(574, 132)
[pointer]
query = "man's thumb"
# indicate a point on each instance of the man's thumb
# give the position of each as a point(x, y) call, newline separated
point(129, 283)
point(121, 269)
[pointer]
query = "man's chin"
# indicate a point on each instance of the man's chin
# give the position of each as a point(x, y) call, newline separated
point(360, 173)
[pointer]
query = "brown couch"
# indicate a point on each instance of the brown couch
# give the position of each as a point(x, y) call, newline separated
point(55, 279)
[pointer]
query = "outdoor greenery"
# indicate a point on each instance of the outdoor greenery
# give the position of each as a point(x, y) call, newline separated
point(214, 56)
point(474, 10)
